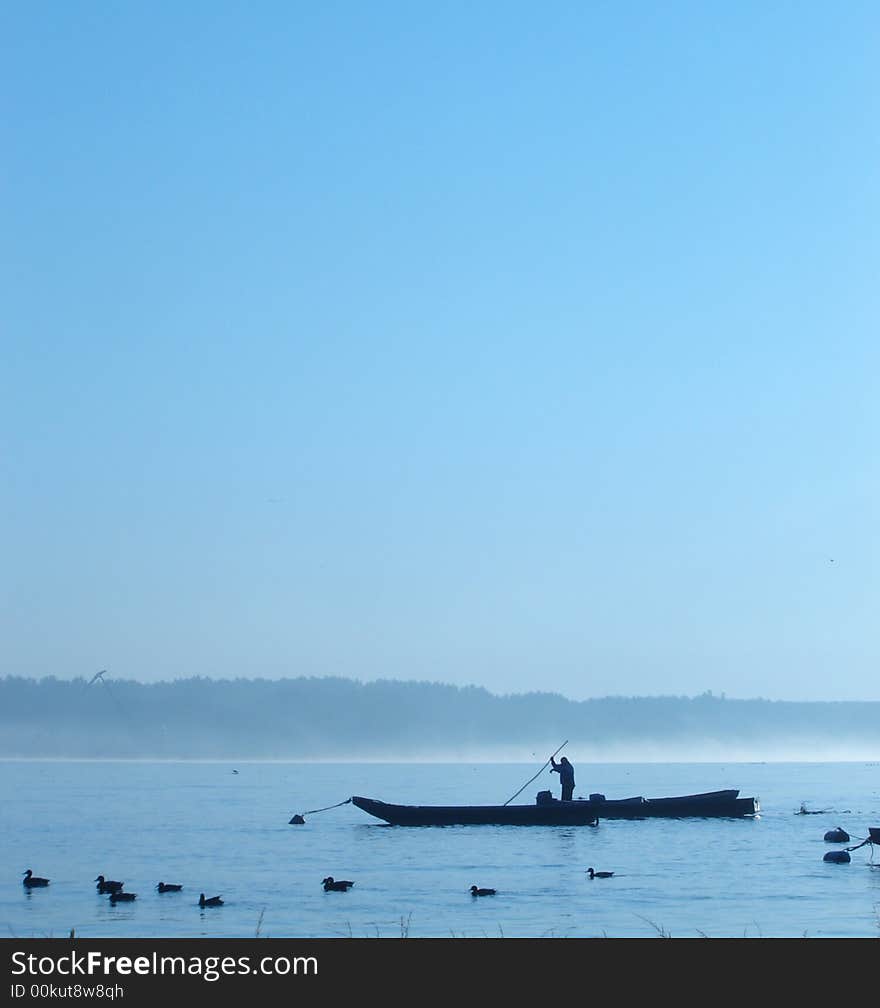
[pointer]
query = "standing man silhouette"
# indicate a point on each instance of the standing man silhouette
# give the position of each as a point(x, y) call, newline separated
point(566, 776)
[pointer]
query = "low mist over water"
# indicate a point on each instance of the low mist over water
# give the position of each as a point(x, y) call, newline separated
point(320, 719)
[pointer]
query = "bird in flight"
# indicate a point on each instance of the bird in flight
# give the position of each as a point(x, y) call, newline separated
point(96, 676)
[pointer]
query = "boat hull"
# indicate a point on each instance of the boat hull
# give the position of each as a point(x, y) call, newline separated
point(573, 813)
point(712, 804)
point(579, 812)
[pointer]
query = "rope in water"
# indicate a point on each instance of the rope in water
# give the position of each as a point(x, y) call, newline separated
point(299, 820)
point(314, 810)
point(867, 840)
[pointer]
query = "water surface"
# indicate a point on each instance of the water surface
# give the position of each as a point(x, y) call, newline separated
point(226, 833)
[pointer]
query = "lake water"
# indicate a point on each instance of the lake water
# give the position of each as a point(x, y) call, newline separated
point(226, 833)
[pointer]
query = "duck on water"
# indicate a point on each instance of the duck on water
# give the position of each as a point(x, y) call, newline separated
point(31, 881)
point(107, 885)
point(331, 884)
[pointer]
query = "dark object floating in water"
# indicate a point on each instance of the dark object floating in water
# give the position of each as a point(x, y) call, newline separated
point(107, 885)
point(599, 874)
point(838, 857)
point(331, 884)
point(31, 881)
point(211, 901)
point(803, 810)
point(122, 897)
point(838, 835)
point(168, 887)
point(476, 891)
point(297, 820)
point(550, 811)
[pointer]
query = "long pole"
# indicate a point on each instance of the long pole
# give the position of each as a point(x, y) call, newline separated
point(543, 768)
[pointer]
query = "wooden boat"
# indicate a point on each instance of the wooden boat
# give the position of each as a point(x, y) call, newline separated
point(549, 811)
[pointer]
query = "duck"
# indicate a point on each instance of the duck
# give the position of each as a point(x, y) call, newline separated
point(599, 874)
point(477, 891)
point(118, 896)
point(211, 901)
point(168, 887)
point(31, 881)
point(107, 885)
point(331, 884)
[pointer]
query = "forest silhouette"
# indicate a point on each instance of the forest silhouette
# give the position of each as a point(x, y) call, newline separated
point(333, 718)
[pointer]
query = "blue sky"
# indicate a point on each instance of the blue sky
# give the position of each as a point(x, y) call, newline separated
point(532, 348)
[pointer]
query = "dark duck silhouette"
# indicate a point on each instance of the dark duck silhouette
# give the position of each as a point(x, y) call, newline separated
point(331, 884)
point(599, 874)
point(118, 896)
point(31, 881)
point(210, 901)
point(168, 887)
point(477, 891)
point(107, 885)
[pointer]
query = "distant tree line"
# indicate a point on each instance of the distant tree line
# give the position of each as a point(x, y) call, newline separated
point(336, 718)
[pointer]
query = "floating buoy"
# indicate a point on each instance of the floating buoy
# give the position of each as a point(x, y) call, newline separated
point(838, 835)
point(837, 857)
